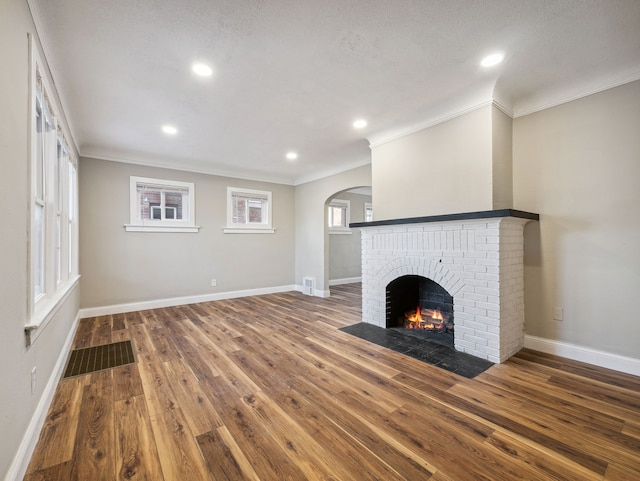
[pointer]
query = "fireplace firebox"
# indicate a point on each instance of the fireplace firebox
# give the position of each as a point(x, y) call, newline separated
point(420, 306)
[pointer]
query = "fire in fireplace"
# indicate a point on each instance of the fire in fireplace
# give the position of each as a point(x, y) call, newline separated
point(427, 319)
point(421, 305)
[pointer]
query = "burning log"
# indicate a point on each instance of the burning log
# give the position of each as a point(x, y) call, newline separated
point(431, 320)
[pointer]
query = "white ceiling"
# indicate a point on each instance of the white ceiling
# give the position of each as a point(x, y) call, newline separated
point(293, 75)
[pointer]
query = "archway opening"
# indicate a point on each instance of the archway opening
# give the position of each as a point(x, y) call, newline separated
point(343, 253)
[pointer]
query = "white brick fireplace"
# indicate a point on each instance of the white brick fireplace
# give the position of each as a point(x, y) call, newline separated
point(476, 257)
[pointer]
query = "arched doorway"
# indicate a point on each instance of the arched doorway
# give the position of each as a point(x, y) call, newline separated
point(343, 263)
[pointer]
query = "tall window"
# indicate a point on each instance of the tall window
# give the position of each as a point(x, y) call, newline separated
point(62, 162)
point(43, 128)
point(53, 226)
point(248, 211)
point(338, 216)
point(72, 204)
point(158, 205)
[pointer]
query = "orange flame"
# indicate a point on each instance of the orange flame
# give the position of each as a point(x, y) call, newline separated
point(427, 319)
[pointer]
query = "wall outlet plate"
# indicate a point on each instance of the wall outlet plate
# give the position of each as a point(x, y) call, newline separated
point(558, 313)
point(214, 283)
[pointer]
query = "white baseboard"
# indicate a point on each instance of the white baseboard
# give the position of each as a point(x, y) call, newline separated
point(608, 360)
point(179, 301)
point(316, 292)
point(346, 280)
point(21, 460)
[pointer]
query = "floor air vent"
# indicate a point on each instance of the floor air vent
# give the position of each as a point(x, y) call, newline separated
point(308, 285)
point(92, 359)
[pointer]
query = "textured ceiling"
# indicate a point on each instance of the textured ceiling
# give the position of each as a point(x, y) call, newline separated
point(293, 75)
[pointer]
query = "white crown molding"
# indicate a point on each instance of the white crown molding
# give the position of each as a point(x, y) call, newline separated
point(377, 140)
point(244, 175)
point(21, 460)
point(538, 107)
point(187, 168)
point(329, 172)
point(503, 108)
point(607, 360)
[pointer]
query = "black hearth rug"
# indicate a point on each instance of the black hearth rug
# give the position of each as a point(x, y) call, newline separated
point(422, 349)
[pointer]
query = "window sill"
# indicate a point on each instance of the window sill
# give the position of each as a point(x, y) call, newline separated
point(46, 309)
point(160, 228)
point(249, 230)
point(340, 231)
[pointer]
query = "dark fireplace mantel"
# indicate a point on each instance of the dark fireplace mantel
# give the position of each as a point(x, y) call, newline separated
point(484, 214)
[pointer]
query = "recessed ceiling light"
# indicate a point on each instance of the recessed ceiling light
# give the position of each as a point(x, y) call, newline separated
point(292, 155)
point(360, 124)
point(202, 69)
point(491, 60)
point(169, 129)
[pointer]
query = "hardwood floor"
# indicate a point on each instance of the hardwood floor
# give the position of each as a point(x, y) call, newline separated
point(267, 388)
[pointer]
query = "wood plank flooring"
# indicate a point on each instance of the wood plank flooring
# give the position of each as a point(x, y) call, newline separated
point(267, 389)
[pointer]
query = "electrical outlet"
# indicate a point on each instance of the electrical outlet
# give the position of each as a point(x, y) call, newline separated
point(558, 313)
point(33, 380)
point(214, 283)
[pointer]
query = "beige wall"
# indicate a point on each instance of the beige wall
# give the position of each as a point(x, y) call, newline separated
point(502, 149)
point(121, 267)
point(312, 243)
point(17, 403)
point(578, 165)
point(345, 254)
point(152, 266)
point(440, 170)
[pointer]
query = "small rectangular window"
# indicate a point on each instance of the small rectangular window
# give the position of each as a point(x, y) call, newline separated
point(158, 205)
point(171, 212)
point(368, 212)
point(248, 211)
point(338, 216)
point(162, 203)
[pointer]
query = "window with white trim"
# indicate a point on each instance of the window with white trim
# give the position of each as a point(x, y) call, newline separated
point(248, 211)
point(158, 205)
point(368, 212)
point(53, 260)
point(43, 129)
point(72, 206)
point(338, 216)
